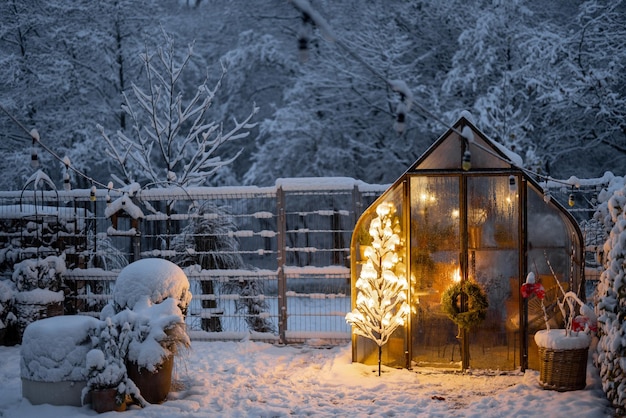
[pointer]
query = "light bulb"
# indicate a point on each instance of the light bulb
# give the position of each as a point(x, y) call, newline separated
point(66, 181)
point(34, 158)
point(546, 196)
point(512, 184)
point(466, 162)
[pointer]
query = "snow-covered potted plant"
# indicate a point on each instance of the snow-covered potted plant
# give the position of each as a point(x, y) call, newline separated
point(151, 296)
point(108, 385)
point(563, 351)
point(38, 289)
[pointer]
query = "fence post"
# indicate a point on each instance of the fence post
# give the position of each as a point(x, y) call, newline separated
point(281, 228)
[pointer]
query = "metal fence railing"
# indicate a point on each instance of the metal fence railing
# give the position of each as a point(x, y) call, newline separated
point(270, 263)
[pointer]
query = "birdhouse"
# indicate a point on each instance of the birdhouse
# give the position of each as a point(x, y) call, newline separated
point(471, 224)
point(123, 208)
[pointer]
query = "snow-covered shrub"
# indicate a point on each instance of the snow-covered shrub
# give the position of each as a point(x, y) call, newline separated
point(208, 243)
point(157, 331)
point(6, 303)
point(150, 299)
point(47, 273)
point(105, 364)
point(611, 306)
point(152, 278)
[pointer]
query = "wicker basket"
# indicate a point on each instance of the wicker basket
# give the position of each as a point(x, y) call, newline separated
point(562, 370)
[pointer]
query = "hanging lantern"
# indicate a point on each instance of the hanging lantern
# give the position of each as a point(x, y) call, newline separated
point(570, 200)
point(92, 194)
point(466, 161)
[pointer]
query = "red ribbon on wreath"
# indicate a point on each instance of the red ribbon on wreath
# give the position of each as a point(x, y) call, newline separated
point(529, 289)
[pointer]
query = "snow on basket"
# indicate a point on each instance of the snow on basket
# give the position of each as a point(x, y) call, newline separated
point(155, 278)
point(52, 364)
point(563, 359)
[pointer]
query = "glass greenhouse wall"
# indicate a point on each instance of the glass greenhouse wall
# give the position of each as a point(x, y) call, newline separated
point(484, 222)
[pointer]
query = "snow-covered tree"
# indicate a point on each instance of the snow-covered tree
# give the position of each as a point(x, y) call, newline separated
point(382, 286)
point(489, 71)
point(579, 81)
point(64, 66)
point(611, 306)
point(339, 114)
point(171, 139)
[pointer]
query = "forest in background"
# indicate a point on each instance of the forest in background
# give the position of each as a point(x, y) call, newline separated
point(546, 79)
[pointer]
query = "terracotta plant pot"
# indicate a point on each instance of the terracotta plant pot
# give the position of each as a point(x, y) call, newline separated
point(154, 386)
point(105, 400)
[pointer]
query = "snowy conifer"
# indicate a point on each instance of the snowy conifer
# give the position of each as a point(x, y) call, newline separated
point(381, 305)
point(611, 309)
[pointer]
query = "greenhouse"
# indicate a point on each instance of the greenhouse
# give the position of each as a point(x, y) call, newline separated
point(472, 225)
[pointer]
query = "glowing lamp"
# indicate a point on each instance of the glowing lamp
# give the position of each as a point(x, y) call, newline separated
point(466, 161)
point(456, 275)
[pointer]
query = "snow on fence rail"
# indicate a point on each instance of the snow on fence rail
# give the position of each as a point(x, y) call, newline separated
point(276, 259)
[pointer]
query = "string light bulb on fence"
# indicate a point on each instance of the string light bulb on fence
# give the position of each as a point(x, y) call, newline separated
point(67, 186)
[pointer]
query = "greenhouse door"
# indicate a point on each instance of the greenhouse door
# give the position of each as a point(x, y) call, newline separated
point(493, 260)
point(435, 264)
point(464, 228)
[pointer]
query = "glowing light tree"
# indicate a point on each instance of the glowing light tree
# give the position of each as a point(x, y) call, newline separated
point(382, 286)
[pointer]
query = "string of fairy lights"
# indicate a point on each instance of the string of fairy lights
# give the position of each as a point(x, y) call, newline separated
point(310, 19)
point(34, 161)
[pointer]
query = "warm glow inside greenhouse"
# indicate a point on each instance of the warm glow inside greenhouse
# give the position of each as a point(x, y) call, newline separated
point(469, 218)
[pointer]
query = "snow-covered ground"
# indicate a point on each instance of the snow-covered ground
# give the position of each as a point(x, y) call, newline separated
point(253, 379)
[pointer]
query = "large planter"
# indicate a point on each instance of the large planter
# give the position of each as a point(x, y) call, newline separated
point(154, 386)
point(52, 359)
point(65, 392)
point(105, 400)
point(562, 359)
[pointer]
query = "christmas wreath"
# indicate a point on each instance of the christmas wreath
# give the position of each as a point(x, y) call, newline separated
point(477, 304)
